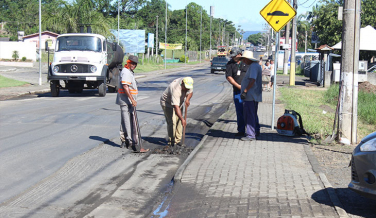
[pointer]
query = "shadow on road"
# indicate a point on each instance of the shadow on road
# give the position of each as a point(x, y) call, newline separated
point(352, 203)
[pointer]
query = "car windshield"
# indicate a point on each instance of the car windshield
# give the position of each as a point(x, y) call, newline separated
point(79, 43)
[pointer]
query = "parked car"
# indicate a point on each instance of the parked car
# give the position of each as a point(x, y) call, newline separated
point(218, 64)
point(363, 167)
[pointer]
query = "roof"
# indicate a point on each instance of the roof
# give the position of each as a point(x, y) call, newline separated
point(43, 33)
point(367, 39)
point(324, 48)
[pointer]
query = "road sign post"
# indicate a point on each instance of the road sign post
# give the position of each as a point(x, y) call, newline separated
point(277, 13)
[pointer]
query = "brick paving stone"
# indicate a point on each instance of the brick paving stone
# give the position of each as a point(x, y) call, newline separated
point(270, 177)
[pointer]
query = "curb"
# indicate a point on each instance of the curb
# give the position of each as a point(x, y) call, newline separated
point(179, 173)
point(328, 187)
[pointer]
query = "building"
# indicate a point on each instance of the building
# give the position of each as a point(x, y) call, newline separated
point(46, 35)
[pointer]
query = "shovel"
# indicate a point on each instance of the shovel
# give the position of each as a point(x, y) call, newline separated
point(185, 118)
point(137, 145)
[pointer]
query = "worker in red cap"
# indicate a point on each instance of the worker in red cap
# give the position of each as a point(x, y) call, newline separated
point(127, 99)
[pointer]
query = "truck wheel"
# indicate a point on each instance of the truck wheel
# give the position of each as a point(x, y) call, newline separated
point(211, 71)
point(111, 89)
point(55, 88)
point(102, 89)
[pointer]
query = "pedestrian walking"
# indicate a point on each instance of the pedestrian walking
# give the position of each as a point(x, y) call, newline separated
point(271, 74)
point(178, 92)
point(235, 71)
point(251, 88)
point(260, 62)
point(127, 99)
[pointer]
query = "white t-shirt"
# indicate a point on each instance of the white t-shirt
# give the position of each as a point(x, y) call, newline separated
point(271, 69)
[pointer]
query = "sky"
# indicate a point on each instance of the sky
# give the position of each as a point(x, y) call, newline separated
point(241, 12)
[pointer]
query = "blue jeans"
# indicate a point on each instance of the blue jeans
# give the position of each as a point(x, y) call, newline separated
point(251, 119)
point(239, 111)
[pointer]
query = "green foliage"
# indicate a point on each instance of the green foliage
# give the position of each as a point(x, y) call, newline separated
point(366, 107)
point(184, 59)
point(308, 106)
point(366, 101)
point(255, 38)
point(23, 59)
point(323, 19)
point(15, 55)
point(6, 82)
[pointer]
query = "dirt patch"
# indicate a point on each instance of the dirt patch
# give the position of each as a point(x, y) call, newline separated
point(327, 108)
point(367, 87)
point(177, 150)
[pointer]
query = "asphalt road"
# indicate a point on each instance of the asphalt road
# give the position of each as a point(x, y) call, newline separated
point(61, 156)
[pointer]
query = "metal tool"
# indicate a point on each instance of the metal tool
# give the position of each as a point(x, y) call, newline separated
point(137, 145)
point(185, 118)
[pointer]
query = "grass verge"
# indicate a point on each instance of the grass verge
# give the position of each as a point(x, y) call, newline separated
point(6, 82)
point(317, 108)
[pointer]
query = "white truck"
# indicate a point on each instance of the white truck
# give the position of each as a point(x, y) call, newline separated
point(85, 61)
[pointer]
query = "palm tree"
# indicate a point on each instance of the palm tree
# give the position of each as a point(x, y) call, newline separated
point(69, 17)
point(303, 31)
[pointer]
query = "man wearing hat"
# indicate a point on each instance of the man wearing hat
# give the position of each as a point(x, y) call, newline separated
point(178, 92)
point(127, 99)
point(251, 94)
point(235, 71)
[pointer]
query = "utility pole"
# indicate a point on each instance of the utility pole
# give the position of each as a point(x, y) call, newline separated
point(186, 24)
point(293, 47)
point(165, 53)
point(157, 42)
point(40, 43)
point(287, 41)
point(200, 33)
point(210, 51)
point(305, 46)
point(349, 72)
point(286, 58)
point(118, 21)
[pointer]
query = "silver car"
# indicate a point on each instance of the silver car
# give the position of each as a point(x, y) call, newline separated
point(363, 167)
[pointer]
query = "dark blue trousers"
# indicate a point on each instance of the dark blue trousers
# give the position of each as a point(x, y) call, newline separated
point(239, 111)
point(252, 125)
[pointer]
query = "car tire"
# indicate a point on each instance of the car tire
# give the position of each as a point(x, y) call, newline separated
point(55, 88)
point(211, 71)
point(102, 89)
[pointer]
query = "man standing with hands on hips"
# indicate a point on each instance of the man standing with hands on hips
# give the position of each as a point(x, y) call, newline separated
point(235, 71)
point(127, 99)
point(251, 88)
point(178, 92)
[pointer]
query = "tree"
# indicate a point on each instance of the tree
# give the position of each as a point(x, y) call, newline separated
point(255, 38)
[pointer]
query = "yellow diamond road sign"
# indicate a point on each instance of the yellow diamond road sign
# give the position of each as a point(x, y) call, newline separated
point(278, 13)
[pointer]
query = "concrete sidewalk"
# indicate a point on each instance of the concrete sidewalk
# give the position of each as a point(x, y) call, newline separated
point(270, 177)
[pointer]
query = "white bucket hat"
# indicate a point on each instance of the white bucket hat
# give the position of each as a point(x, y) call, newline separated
point(246, 54)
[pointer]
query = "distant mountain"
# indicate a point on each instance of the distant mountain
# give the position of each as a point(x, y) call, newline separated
point(248, 33)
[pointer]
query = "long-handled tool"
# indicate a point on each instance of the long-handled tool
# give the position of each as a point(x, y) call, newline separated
point(185, 118)
point(137, 145)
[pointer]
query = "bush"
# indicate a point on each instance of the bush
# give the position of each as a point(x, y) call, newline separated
point(15, 55)
point(23, 59)
point(182, 59)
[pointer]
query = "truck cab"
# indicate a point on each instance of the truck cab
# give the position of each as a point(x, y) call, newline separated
point(82, 61)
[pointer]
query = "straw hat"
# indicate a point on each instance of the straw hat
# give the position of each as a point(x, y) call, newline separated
point(248, 55)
